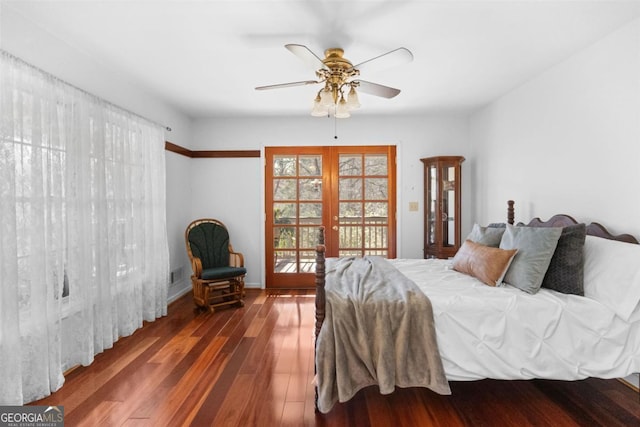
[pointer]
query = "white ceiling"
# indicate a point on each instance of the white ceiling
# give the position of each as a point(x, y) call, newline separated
point(206, 57)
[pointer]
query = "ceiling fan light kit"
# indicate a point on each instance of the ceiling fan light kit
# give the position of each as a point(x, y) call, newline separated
point(353, 102)
point(338, 75)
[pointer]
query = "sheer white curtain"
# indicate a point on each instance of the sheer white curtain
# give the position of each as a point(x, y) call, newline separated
point(83, 243)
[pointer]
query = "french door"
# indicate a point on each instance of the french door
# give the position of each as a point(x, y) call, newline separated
point(349, 190)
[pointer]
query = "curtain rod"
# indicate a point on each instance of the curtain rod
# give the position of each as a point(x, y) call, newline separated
point(59, 80)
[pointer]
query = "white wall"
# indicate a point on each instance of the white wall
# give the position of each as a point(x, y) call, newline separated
point(179, 193)
point(232, 189)
point(35, 46)
point(567, 141)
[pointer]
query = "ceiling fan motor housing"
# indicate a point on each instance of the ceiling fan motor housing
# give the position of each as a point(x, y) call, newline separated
point(337, 72)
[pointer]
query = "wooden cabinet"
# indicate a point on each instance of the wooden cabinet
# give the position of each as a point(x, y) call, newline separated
point(442, 200)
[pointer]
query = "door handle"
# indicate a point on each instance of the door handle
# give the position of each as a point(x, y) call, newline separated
point(335, 228)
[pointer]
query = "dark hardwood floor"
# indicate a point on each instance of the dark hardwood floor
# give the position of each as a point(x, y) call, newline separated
point(254, 367)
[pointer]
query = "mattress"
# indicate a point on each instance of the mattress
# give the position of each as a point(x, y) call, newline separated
point(504, 333)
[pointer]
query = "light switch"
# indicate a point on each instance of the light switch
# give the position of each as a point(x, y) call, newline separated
point(413, 206)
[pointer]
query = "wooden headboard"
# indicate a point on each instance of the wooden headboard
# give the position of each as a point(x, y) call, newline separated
point(593, 229)
point(563, 220)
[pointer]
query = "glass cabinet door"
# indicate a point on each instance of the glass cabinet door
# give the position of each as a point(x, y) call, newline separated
point(448, 208)
point(432, 204)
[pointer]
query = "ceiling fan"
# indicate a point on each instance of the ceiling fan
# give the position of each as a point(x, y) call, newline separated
point(338, 75)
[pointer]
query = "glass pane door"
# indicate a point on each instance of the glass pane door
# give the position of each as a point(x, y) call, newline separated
point(349, 190)
point(295, 209)
point(363, 203)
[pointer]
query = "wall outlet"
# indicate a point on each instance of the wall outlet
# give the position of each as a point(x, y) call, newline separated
point(413, 206)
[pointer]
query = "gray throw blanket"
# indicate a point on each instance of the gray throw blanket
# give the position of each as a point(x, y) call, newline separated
point(378, 329)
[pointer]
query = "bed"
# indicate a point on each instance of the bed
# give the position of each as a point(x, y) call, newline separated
point(472, 327)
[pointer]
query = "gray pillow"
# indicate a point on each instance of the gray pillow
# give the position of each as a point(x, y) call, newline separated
point(497, 225)
point(535, 248)
point(488, 236)
point(566, 269)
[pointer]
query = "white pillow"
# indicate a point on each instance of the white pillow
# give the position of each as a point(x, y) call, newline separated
point(612, 274)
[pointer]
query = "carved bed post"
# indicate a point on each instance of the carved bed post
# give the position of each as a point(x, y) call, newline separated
point(510, 214)
point(320, 269)
point(320, 295)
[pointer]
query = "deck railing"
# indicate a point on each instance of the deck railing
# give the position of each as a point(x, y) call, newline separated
point(356, 239)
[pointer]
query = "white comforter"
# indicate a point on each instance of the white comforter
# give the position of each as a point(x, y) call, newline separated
point(504, 333)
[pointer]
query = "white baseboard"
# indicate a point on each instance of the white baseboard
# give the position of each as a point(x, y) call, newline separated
point(253, 286)
point(632, 381)
point(177, 293)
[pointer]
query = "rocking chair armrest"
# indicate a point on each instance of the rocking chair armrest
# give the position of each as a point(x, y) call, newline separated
point(236, 259)
point(196, 265)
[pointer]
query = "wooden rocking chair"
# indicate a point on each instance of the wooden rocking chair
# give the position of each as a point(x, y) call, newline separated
point(218, 271)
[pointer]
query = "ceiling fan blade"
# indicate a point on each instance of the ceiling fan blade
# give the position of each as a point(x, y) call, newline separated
point(376, 89)
point(305, 54)
point(392, 58)
point(291, 84)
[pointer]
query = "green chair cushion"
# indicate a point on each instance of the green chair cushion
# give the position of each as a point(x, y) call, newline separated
point(223, 272)
point(210, 243)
